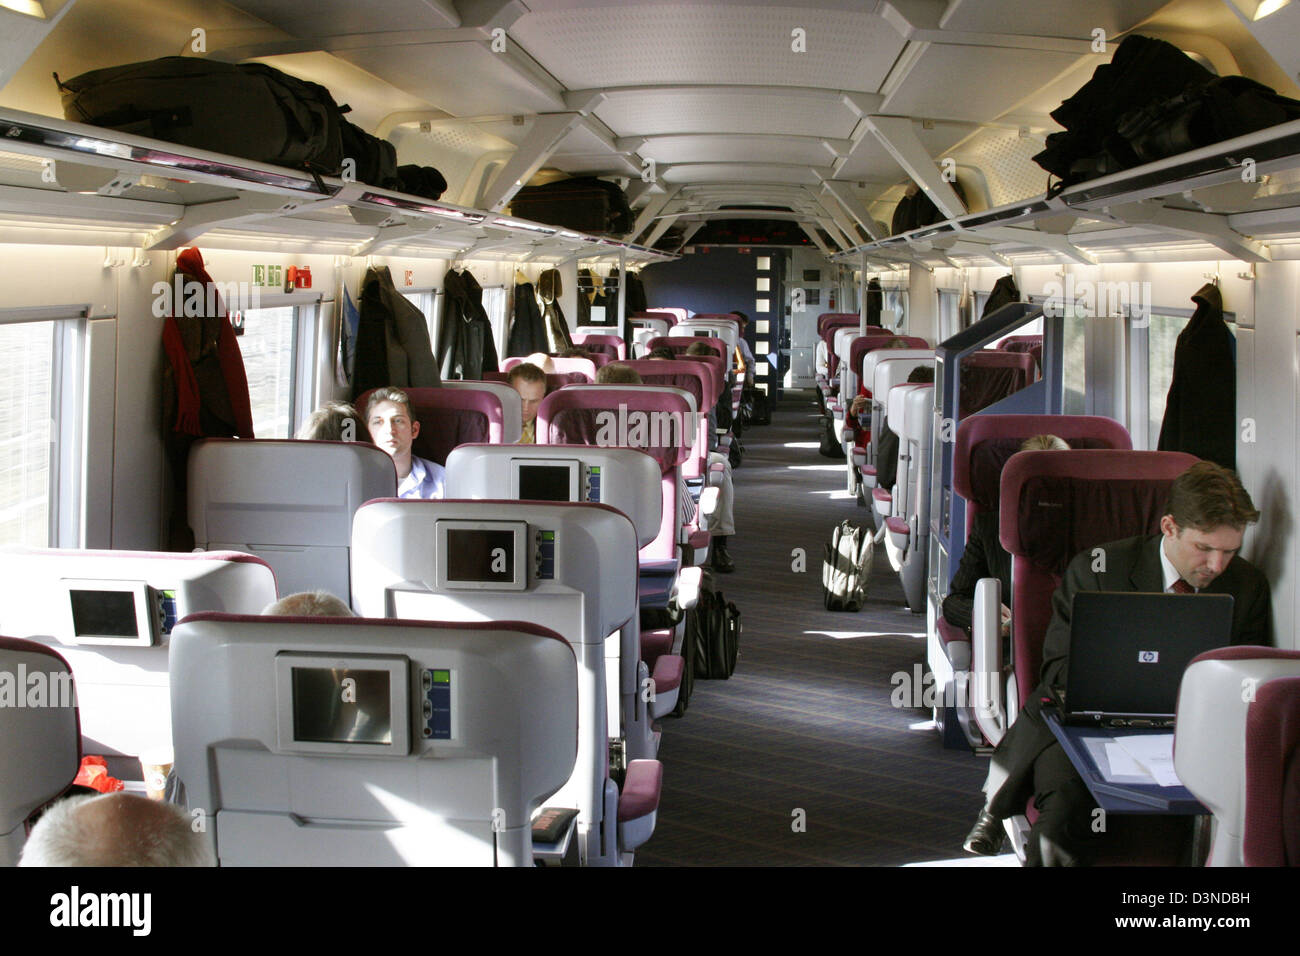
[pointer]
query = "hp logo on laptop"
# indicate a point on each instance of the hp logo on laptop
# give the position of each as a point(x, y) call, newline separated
point(1148, 657)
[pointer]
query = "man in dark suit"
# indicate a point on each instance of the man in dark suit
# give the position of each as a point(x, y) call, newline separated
point(1196, 550)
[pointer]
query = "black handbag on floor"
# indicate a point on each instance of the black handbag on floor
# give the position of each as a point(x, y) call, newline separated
point(712, 643)
point(829, 447)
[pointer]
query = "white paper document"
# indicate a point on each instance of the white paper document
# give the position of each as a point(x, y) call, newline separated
point(1154, 753)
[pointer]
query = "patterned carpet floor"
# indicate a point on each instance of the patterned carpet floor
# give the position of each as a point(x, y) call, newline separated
point(800, 758)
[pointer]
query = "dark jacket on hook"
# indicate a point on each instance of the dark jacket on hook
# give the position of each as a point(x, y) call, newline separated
point(1201, 410)
point(527, 331)
point(1004, 293)
point(465, 345)
point(393, 345)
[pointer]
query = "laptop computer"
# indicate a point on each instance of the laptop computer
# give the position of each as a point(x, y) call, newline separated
point(1128, 652)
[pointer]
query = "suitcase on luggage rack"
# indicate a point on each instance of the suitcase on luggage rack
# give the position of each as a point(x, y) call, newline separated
point(585, 204)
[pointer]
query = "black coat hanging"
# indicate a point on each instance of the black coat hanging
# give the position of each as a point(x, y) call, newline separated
point(1201, 410)
point(465, 346)
point(527, 330)
point(393, 346)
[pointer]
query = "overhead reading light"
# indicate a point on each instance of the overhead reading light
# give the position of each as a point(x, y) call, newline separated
point(1259, 9)
point(31, 8)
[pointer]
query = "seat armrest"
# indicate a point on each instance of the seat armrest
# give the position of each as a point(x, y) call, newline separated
point(986, 660)
point(686, 592)
point(709, 501)
point(638, 803)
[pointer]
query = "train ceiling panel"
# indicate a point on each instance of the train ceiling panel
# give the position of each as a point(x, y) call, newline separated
point(465, 79)
point(870, 161)
point(809, 151)
point(1047, 18)
point(723, 111)
point(979, 83)
point(332, 18)
point(627, 44)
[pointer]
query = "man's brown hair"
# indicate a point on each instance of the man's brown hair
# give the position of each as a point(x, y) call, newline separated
point(616, 373)
point(526, 372)
point(1207, 496)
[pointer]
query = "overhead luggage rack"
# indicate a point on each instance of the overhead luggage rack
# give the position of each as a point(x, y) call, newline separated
point(102, 175)
point(1205, 194)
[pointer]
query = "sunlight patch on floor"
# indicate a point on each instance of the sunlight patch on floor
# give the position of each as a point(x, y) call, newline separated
point(802, 444)
point(850, 635)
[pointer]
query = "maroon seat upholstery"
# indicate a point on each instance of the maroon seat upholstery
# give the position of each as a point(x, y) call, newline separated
point(1031, 344)
point(585, 414)
point(990, 375)
point(597, 343)
point(841, 318)
point(1056, 504)
point(1272, 832)
point(680, 343)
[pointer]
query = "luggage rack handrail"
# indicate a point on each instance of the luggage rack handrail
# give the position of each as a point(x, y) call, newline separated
point(131, 157)
point(1274, 149)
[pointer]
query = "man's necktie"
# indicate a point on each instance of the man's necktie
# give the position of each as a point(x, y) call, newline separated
point(1182, 587)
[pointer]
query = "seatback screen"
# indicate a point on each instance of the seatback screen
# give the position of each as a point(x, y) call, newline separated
point(480, 556)
point(104, 614)
point(342, 706)
point(545, 483)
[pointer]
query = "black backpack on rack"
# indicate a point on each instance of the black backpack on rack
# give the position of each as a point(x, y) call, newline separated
point(246, 109)
point(1142, 71)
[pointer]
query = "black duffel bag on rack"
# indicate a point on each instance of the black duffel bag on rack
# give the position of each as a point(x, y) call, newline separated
point(584, 203)
point(248, 110)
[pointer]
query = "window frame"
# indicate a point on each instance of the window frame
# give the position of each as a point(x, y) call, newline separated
point(65, 491)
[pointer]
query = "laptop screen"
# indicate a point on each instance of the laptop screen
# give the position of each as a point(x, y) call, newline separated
point(1128, 650)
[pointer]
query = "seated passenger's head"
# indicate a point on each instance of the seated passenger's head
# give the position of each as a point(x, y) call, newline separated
point(616, 373)
point(117, 829)
point(542, 361)
point(699, 348)
point(309, 604)
point(1044, 443)
point(897, 342)
point(921, 375)
point(662, 352)
point(391, 425)
point(575, 352)
point(333, 421)
point(1204, 522)
point(530, 382)
point(744, 319)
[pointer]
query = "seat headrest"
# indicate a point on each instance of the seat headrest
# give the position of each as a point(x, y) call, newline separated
point(986, 442)
point(449, 417)
point(1055, 504)
point(654, 419)
point(989, 376)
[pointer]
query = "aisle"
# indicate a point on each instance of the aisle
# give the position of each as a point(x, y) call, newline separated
point(805, 723)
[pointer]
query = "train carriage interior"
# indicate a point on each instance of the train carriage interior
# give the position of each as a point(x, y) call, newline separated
point(669, 292)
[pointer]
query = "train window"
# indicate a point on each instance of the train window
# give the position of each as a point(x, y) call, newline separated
point(1074, 374)
point(949, 320)
point(39, 452)
point(494, 304)
point(277, 387)
point(1154, 356)
point(426, 300)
